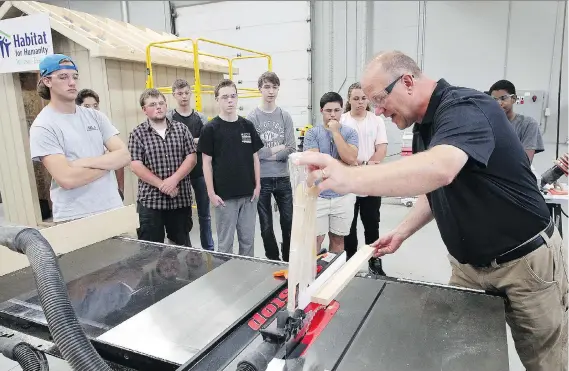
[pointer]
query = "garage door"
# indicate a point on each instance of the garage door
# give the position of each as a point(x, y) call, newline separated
point(280, 29)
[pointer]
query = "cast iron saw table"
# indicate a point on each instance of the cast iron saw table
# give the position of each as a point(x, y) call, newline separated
point(148, 306)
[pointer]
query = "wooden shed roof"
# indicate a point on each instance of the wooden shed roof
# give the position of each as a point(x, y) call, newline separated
point(111, 39)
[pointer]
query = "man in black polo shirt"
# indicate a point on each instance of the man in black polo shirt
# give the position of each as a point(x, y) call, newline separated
point(474, 178)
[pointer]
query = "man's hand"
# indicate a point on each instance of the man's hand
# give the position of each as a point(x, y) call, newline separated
point(168, 185)
point(256, 193)
point(323, 168)
point(216, 200)
point(174, 193)
point(388, 244)
point(332, 126)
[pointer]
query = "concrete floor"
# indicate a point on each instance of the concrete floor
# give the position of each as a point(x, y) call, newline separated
point(422, 257)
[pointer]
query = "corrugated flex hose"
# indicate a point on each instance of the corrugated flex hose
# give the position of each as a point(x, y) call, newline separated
point(259, 359)
point(63, 325)
point(29, 358)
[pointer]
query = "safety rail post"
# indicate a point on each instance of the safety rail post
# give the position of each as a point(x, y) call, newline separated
point(197, 79)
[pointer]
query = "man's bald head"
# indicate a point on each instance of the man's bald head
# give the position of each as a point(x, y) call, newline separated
point(396, 87)
point(393, 64)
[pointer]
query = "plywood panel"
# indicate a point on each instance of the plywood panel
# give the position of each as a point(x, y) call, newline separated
point(118, 115)
point(140, 86)
point(99, 83)
point(130, 103)
point(18, 181)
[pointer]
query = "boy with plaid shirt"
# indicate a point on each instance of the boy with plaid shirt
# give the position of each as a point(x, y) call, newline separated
point(163, 154)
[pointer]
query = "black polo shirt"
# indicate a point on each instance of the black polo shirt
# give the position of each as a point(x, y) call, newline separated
point(494, 203)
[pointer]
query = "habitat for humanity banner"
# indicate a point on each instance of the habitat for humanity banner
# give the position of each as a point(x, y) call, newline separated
point(24, 41)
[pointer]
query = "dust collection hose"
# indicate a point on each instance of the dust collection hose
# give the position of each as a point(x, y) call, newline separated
point(27, 357)
point(259, 359)
point(63, 325)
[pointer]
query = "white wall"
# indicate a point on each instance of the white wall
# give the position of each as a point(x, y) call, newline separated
point(339, 47)
point(475, 43)
point(280, 29)
point(152, 14)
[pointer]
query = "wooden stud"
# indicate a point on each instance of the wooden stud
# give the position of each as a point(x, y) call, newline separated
point(338, 281)
point(302, 258)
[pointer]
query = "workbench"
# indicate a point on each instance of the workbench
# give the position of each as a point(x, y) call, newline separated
point(148, 306)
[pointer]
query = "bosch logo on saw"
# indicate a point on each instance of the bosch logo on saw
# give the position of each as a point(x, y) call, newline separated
point(268, 311)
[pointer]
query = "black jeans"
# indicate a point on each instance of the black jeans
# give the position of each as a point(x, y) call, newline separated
point(279, 188)
point(154, 221)
point(368, 208)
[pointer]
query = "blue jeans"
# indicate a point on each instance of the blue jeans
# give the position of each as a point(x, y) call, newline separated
point(281, 189)
point(204, 215)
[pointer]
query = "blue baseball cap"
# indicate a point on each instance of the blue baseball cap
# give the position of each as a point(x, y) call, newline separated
point(52, 63)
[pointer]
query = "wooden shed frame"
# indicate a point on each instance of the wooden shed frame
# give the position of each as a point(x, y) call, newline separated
point(111, 58)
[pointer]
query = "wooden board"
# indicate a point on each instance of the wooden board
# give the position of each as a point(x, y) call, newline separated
point(76, 234)
point(302, 258)
point(336, 283)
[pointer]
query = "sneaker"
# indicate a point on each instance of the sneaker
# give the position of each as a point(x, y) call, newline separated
point(375, 267)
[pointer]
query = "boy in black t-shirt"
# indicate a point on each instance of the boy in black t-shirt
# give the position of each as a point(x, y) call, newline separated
point(195, 121)
point(229, 144)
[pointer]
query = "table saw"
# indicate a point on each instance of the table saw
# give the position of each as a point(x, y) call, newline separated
point(149, 306)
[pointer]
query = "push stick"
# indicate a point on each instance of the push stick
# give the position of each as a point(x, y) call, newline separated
point(338, 281)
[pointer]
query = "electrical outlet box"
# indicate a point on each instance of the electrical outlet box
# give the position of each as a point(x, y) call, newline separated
point(530, 103)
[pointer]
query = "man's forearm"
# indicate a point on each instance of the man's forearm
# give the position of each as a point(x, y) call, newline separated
point(379, 154)
point(109, 161)
point(530, 153)
point(145, 174)
point(348, 154)
point(120, 178)
point(257, 166)
point(208, 176)
point(417, 218)
point(185, 168)
point(76, 177)
point(411, 176)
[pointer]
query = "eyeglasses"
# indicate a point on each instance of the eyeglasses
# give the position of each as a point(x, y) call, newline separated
point(154, 104)
point(503, 98)
point(379, 101)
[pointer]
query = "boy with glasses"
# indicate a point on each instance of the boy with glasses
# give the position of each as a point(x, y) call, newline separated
point(526, 127)
point(229, 145)
point(195, 121)
point(163, 154)
point(78, 146)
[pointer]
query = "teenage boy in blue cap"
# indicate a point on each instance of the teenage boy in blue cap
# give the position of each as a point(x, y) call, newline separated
point(70, 141)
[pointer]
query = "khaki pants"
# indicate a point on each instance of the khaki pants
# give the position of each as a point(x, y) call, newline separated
point(536, 307)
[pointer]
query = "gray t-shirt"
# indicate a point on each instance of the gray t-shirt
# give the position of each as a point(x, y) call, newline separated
point(527, 129)
point(274, 128)
point(78, 135)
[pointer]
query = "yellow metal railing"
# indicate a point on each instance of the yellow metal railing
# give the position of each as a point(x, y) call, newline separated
point(199, 88)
